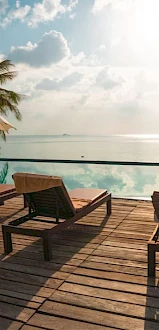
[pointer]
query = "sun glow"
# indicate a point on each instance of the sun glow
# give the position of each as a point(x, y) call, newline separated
point(143, 29)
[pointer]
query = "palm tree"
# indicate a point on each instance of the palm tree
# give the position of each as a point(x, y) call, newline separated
point(9, 100)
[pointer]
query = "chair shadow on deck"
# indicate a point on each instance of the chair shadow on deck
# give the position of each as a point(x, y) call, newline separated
point(25, 274)
point(152, 304)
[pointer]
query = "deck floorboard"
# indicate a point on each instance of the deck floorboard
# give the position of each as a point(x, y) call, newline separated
point(96, 280)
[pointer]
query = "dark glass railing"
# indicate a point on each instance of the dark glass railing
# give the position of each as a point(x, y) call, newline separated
point(122, 178)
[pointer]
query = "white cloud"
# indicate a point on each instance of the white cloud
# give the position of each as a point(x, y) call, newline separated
point(19, 13)
point(72, 16)
point(71, 5)
point(56, 84)
point(99, 5)
point(3, 6)
point(73, 102)
point(47, 10)
point(43, 11)
point(50, 49)
point(17, 3)
point(107, 79)
point(1, 57)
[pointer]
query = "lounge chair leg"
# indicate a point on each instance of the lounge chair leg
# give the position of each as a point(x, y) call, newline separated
point(109, 206)
point(47, 246)
point(7, 240)
point(151, 260)
point(25, 202)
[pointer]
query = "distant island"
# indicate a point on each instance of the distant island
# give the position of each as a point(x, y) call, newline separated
point(65, 134)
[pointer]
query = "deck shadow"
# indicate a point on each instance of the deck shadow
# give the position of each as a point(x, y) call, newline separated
point(152, 304)
point(26, 280)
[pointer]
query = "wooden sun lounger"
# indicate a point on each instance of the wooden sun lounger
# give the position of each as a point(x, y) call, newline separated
point(153, 243)
point(7, 191)
point(56, 203)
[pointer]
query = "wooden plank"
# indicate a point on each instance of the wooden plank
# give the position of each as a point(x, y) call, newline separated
point(57, 323)
point(29, 327)
point(116, 268)
point(22, 296)
point(9, 324)
point(44, 273)
point(125, 243)
point(114, 252)
point(19, 302)
point(119, 296)
point(39, 265)
point(96, 317)
point(130, 234)
point(117, 261)
point(15, 312)
point(35, 258)
point(29, 279)
point(113, 285)
point(35, 253)
point(105, 305)
point(25, 288)
point(121, 277)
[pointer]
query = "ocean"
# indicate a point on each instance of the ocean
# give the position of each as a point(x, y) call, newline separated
point(122, 181)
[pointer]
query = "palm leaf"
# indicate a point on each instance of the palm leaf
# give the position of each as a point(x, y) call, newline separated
point(3, 135)
point(6, 65)
point(4, 77)
point(4, 173)
point(9, 100)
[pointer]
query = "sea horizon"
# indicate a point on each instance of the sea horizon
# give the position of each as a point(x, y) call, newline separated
point(93, 135)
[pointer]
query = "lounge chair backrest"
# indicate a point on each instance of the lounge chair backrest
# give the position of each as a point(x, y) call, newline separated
point(155, 202)
point(51, 202)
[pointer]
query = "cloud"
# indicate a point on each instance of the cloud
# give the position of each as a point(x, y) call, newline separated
point(72, 16)
point(19, 13)
point(68, 81)
point(47, 10)
point(1, 56)
point(141, 179)
point(99, 5)
point(17, 4)
point(43, 11)
point(3, 6)
point(72, 4)
point(107, 79)
point(52, 48)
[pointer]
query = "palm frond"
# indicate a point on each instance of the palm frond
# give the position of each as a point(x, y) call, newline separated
point(4, 77)
point(3, 135)
point(6, 105)
point(6, 65)
point(12, 96)
point(9, 100)
point(4, 173)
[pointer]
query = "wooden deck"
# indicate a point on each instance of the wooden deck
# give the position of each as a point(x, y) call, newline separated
point(97, 279)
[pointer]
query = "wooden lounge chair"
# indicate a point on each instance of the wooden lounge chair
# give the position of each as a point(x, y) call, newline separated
point(47, 196)
point(153, 243)
point(7, 191)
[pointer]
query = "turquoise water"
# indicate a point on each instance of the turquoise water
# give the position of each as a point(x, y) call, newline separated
point(125, 181)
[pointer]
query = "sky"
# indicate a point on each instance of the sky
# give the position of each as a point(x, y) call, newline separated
point(85, 66)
